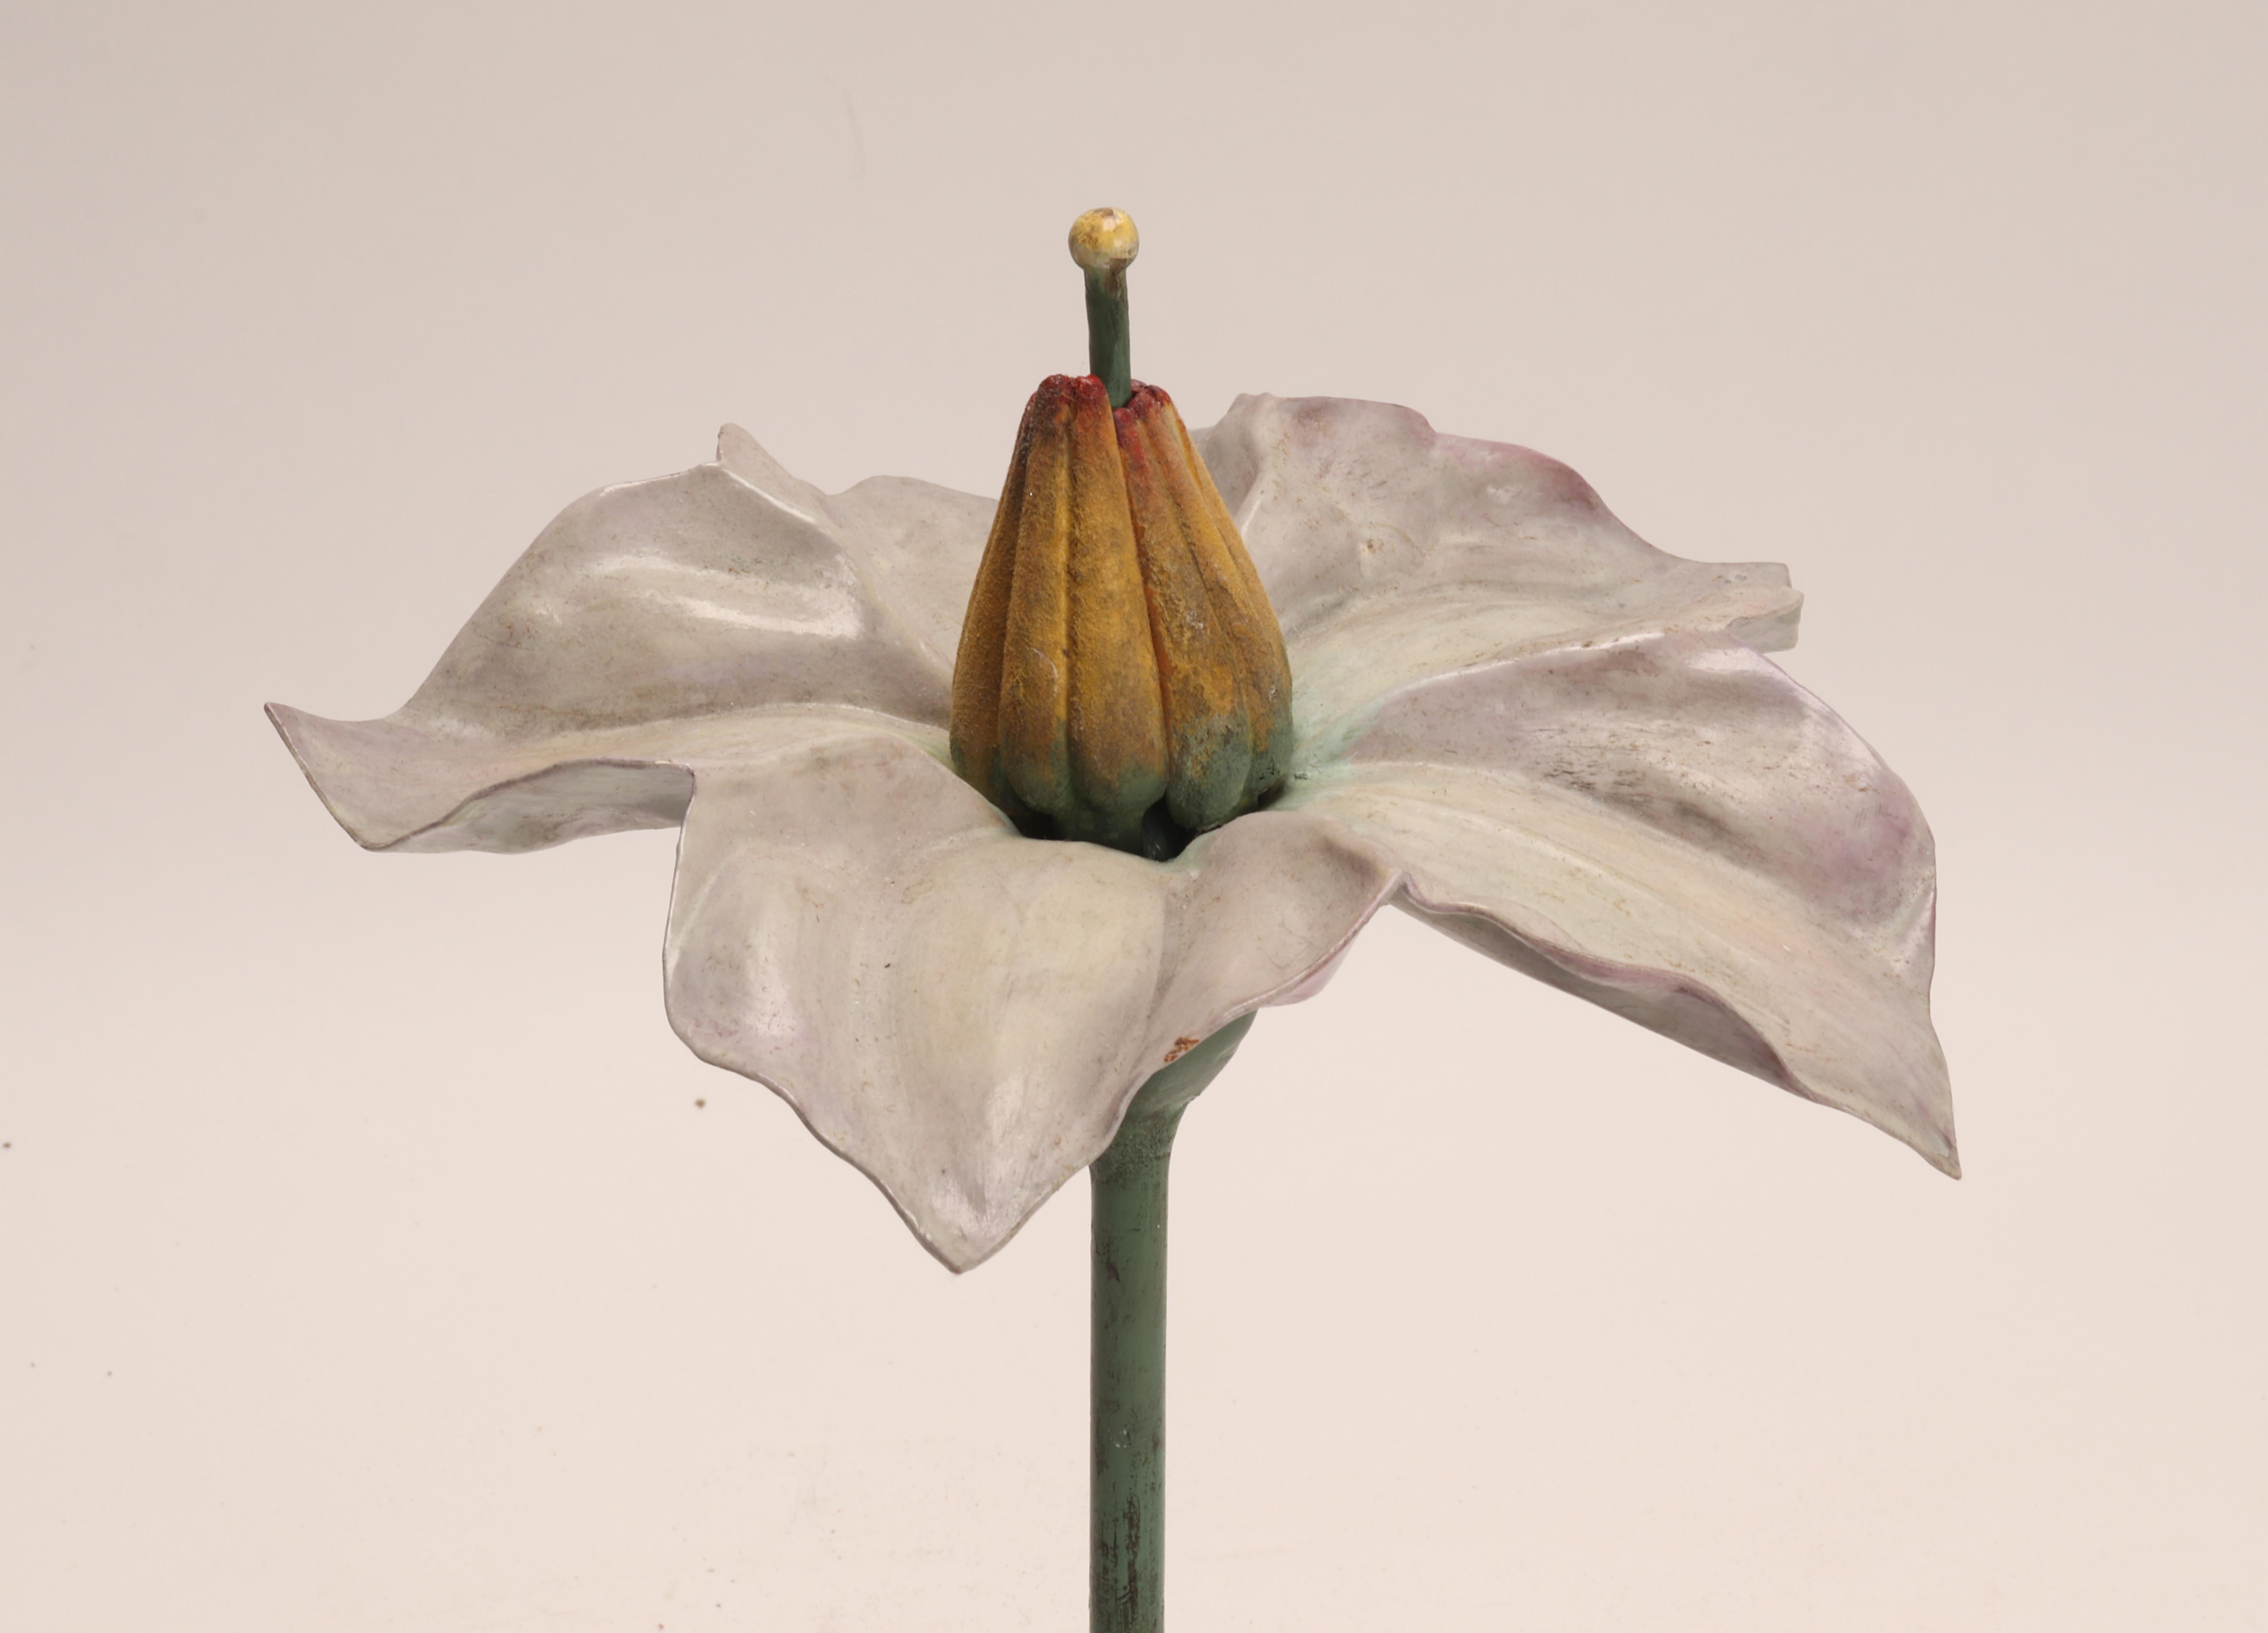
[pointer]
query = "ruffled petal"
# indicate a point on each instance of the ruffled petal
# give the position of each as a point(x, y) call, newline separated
point(961, 1012)
point(1545, 734)
point(1671, 828)
point(915, 544)
point(718, 611)
point(1393, 553)
point(407, 784)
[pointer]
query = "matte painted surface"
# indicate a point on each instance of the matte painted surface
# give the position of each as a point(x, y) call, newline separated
point(1512, 717)
point(369, 1266)
point(1126, 1393)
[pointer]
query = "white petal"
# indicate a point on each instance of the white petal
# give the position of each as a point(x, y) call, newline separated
point(719, 611)
point(1502, 689)
point(1670, 827)
point(1393, 553)
point(961, 1012)
point(406, 784)
point(915, 543)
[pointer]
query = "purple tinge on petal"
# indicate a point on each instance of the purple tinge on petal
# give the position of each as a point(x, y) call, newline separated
point(961, 1012)
point(1543, 731)
point(1670, 827)
point(1344, 502)
point(1394, 555)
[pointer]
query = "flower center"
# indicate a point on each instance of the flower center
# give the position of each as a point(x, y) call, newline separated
point(1121, 678)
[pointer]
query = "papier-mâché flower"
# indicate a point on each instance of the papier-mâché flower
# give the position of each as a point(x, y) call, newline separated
point(1511, 718)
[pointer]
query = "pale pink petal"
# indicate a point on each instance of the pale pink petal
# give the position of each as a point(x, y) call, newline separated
point(1545, 734)
point(1670, 827)
point(1393, 553)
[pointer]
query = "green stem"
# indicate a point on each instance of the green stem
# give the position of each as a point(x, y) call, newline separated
point(1127, 1467)
point(1108, 354)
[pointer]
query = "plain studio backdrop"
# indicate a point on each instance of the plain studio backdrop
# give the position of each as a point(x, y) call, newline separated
point(372, 1257)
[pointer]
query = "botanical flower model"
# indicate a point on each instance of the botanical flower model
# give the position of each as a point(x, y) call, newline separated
point(1490, 704)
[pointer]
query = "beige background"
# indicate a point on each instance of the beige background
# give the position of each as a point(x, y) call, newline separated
point(369, 1260)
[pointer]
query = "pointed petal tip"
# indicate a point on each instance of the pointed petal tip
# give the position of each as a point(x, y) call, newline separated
point(742, 456)
point(1934, 1142)
point(297, 727)
point(1944, 1153)
point(962, 1257)
point(1926, 1129)
point(959, 1250)
point(282, 717)
point(739, 452)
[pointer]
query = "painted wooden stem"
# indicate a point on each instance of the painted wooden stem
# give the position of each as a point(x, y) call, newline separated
point(1109, 356)
point(1127, 1466)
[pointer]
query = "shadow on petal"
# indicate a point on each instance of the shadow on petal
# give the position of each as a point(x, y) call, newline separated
point(961, 1012)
